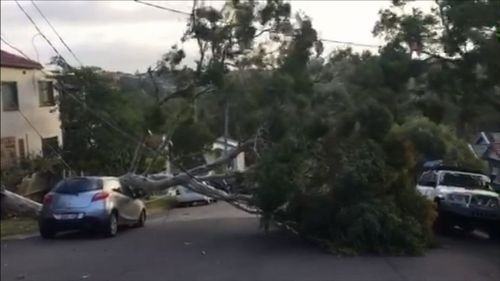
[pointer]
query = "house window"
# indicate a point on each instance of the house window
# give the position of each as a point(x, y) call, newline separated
point(8, 151)
point(46, 93)
point(9, 96)
point(22, 151)
point(50, 147)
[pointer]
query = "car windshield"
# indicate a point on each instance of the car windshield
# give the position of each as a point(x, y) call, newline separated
point(464, 180)
point(78, 185)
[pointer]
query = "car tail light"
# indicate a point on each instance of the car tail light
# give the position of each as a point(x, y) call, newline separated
point(47, 199)
point(100, 196)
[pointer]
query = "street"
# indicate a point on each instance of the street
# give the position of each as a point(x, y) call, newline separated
point(218, 242)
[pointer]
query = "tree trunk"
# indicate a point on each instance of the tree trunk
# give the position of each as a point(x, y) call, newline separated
point(19, 204)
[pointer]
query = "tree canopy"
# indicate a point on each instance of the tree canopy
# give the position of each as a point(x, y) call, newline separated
point(339, 138)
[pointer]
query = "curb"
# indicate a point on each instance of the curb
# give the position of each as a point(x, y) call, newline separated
point(20, 236)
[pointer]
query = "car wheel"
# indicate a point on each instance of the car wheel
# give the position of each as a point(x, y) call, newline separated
point(467, 229)
point(142, 219)
point(46, 231)
point(442, 225)
point(494, 233)
point(111, 227)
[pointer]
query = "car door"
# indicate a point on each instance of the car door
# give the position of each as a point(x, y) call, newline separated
point(134, 204)
point(122, 201)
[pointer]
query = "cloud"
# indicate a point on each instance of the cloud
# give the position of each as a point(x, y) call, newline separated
point(84, 13)
point(126, 36)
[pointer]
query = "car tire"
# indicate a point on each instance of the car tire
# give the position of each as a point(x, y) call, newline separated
point(46, 231)
point(442, 225)
point(467, 229)
point(141, 221)
point(494, 233)
point(111, 226)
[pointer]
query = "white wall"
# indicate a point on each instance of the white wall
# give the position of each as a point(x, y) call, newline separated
point(13, 124)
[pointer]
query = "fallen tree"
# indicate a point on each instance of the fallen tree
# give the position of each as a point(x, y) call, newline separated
point(19, 204)
point(148, 184)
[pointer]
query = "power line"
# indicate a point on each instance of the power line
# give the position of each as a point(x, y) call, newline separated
point(40, 135)
point(57, 33)
point(163, 8)
point(350, 43)
point(109, 123)
point(38, 29)
point(14, 47)
point(325, 40)
point(85, 106)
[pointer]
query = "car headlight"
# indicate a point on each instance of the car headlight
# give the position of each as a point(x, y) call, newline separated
point(458, 198)
point(495, 203)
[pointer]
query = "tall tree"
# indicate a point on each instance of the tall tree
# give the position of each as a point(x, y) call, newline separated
point(456, 40)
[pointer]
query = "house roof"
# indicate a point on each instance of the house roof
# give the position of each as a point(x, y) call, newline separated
point(479, 149)
point(493, 152)
point(10, 60)
point(487, 146)
point(220, 143)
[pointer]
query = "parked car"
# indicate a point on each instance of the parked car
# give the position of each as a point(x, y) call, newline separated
point(464, 198)
point(91, 203)
point(184, 196)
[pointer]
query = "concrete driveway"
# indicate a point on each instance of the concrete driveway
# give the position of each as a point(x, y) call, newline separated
point(218, 242)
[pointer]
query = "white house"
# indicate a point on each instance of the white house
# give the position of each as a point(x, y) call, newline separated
point(30, 122)
point(218, 148)
point(486, 146)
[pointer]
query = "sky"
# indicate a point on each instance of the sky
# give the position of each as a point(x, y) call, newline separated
point(128, 36)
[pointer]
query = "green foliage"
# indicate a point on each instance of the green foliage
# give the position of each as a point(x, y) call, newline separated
point(93, 114)
point(375, 120)
point(432, 142)
point(341, 140)
point(459, 88)
point(190, 137)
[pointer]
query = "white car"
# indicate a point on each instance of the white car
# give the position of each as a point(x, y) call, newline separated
point(185, 196)
point(464, 199)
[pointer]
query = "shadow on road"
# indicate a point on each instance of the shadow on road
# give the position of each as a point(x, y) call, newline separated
point(89, 235)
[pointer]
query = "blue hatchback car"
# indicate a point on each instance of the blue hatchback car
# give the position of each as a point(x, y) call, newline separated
point(91, 203)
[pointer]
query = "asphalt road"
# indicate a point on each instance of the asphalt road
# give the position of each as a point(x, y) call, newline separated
point(218, 242)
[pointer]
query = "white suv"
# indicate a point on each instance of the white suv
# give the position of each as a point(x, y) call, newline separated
point(464, 199)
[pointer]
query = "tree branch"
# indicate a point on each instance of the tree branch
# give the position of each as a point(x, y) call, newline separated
point(19, 204)
point(436, 56)
point(164, 182)
point(262, 32)
point(176, 94)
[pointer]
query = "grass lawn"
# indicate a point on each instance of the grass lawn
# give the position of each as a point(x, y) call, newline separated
point(19, 225)
point(159, 204)
point(15, 226)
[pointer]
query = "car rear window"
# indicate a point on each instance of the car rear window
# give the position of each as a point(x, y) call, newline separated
point(73, 186)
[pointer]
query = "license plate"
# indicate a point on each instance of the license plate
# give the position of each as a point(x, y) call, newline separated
point(66, 216)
